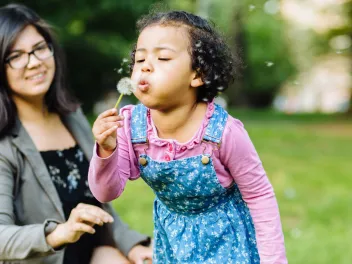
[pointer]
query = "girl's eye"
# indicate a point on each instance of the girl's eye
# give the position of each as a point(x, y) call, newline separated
point(164, 59)
point(139, 61)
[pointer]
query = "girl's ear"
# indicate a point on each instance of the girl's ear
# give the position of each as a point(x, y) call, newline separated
point(197, 80)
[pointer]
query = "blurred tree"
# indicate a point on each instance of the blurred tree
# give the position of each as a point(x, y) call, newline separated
point(254, 30)
point(348, 8)
point(267, 63)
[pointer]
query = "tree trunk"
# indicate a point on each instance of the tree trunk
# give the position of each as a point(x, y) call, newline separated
point(235, 92)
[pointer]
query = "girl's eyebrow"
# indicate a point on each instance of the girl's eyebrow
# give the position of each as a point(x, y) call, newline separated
point(34, 46)
point(156, 49)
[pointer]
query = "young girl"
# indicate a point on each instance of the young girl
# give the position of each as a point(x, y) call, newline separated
point(214, 202)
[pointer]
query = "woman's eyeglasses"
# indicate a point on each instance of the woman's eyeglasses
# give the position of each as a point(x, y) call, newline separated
point(20, 60)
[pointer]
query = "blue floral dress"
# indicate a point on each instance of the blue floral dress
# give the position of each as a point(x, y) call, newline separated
point(196, 219)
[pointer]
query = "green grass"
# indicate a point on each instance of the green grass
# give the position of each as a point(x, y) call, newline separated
point(308, 160)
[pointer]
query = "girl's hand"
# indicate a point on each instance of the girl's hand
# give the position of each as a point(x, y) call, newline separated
point(81, 220)
point(104, 131)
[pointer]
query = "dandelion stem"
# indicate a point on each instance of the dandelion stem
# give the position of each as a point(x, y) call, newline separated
point(118, 101)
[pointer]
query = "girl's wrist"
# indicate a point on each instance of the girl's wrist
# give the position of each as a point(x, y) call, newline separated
point(103, 153)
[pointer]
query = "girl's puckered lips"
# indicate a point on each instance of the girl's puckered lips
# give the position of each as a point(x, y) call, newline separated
point(143, 85)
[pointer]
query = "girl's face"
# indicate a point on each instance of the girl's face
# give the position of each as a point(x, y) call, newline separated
point(162, 68)
point(33, 80)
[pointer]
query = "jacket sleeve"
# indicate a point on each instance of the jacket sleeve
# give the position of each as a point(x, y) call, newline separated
point(124, 237)
point(18, 242)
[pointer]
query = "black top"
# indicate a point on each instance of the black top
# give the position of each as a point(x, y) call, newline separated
point(68, 169)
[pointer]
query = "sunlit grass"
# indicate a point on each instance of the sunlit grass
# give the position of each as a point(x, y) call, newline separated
point(308, 160)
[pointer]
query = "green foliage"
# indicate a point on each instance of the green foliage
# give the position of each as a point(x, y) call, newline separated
point(258, 38)
point(266, 56)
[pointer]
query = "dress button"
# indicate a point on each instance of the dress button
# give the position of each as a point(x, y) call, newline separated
point(205, 160)
point(169, 145)
point(167, 157)
point(183, 148)
point(143, 161)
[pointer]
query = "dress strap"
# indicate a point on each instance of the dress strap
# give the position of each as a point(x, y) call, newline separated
point(139, 124)
point(216, 125)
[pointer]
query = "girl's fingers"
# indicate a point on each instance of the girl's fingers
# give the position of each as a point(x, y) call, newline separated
point(103, 136)
point(107, 113)
point(109, 125)
point(112, 119)
point(99, 130)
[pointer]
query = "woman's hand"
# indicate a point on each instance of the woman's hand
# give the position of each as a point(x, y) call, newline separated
point(104, 131)
point(81, 220)
point(141, 255)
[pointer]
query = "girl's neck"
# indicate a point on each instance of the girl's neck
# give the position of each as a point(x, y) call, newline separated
point(181, 123)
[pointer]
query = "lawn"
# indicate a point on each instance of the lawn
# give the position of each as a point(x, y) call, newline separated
point(308, 160)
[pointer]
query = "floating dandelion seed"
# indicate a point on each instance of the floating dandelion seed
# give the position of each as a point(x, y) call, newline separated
point(296, 232)
point(220, 88)
point(120, 70)
point(269, 63)
point(272, 7)
point(125, 86)
point(251, 7)
point(290, 193)
point(124, 60)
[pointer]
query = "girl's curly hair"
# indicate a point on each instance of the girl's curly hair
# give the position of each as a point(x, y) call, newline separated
point(210, 55)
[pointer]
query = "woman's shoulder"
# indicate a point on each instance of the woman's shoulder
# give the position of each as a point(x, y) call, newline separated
point(7, 149)
point(5, 142)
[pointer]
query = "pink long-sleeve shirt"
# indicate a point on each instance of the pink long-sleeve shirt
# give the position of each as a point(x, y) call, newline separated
point(236, 160)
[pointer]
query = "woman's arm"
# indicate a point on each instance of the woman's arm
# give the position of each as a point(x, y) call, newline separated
point(240, 157)
point(18, 242)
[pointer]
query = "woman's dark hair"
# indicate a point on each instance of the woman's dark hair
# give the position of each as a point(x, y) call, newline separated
point(210, 55)
point(13, 19)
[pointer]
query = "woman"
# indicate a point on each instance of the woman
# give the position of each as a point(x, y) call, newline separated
point(47, 213)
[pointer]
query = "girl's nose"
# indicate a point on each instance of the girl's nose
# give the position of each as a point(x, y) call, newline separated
point(147, 66)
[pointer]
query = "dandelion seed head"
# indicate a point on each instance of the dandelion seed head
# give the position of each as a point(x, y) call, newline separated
point(126, 86)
